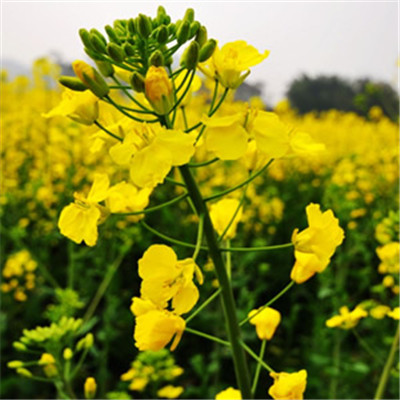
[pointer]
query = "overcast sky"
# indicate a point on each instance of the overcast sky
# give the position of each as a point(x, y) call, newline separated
point(349, 38)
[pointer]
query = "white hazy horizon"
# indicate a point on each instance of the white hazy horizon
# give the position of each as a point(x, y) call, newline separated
point(350, 39)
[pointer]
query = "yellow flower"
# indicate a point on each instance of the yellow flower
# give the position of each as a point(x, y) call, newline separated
point(158, 90)
point(379, 312)
point(389, 255)
point(151, 152)
point(156, 328)
point(170, 392)
point(226, 136)
point(165, 278)
point(266, 322)
point(232, 60)
point(221, 214)
point(90, 388)
point(138, 383)
point(347, 319)
point(315, 245)
point(78, 221)
point(388, 281)
point(82, 107)
point(49, 365)
point(395, 313)
point(229, 394)
point(288, 385)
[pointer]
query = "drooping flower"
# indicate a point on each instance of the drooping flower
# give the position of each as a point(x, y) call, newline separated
point(346, 319)
point(232, 62)
point(229, 394)
point(156, 328)
point(315, 245)
point(265, 321)
point(165, 278)
point(78, 221)
point(221, 214)
point(288, 385)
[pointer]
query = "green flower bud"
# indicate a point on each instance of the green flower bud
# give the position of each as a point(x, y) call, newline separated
point(94, 55)
point(156, 59)
point(85, 37)
point(171, 29)
point(99, 35)
point(143, 26)
point(111, 34)
point(105, 68)
point(161, 11)
point(72, 83)
point(137, 82)
point(67, 353)
point(189, 15)
point(131, 26)
point(89, 340)
point(162, 34)
point(129, 50)
point(98, 44)
point(190, 57)
point(201, 35)
point(182, 33)
point(18, 345)
point(194, 27)
point(24, 372)
point(15, 364)
point(207, 50)
point(115, 52)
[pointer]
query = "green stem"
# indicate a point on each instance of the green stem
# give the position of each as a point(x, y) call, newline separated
point(108, 132)
point(155, 208)
point(207, 336)
point(255, 356)
point(229, 306)
point(244, 183)
point(364, 344)
point(388, 366)
point(258, 248)
point(80, 362)
point(130, 96)
point(228, 259)
point(174, 181)
point(203, 305)
point(258, 368)
point(199, 238)
point(203, 164)
point(71, 264)
point(280, 294)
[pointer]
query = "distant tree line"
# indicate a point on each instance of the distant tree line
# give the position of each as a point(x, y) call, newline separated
point(326, 92)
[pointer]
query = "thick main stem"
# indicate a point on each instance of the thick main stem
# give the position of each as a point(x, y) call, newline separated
point(239, 357)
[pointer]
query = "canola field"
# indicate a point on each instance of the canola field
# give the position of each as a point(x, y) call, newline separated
point(161, 239)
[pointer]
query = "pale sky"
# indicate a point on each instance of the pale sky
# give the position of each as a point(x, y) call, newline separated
point(353, 39)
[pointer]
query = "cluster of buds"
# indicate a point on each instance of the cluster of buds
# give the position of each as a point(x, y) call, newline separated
point(141, 47)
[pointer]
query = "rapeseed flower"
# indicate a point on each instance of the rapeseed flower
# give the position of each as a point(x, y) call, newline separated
point(288, 385)
point(229, 394)
point(315, 245)
point(346, 319)
point(159, 90)
point(221, 214)
point(266, 322)
point(170, 392)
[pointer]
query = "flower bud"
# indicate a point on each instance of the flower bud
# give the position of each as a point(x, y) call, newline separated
point(24, 372)
point(158, 90)
point(162, 34)
point(207, 50)
point(189, 15)
point(143, 26)
point(19, 346)
point(194, 27)
point(67, 353)
point(98, 44)
point(156, 59)
point(99, 35)
point(15, 364)
point(72, 83)
point(137, 82)
point(111, 34)
point(105, 68)
point(131, 26)
point(129, 50)
point(190, 56)
point(85, 37)
point(90, 388)
point(115, 52)
point(91, 78)
point(201, 35)
point(182, 33)
point(94, 55)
